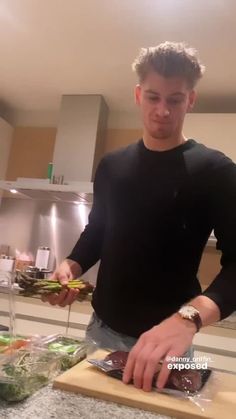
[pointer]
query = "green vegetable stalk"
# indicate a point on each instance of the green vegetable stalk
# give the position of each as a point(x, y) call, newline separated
point(32, 287)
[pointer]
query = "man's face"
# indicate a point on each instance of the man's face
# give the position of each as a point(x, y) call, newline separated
point(163, 103)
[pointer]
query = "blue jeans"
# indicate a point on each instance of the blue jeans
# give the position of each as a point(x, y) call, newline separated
point(102, 336)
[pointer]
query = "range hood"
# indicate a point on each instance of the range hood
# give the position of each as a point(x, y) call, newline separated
point(49, 192)
point(79, 146)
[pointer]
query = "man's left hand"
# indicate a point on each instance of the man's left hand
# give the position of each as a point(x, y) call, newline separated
point(171, 338)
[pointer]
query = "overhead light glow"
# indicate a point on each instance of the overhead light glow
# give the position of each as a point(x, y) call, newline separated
point(82, 213)
point(13, 191)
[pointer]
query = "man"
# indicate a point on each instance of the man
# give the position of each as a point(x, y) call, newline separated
point(155, 205)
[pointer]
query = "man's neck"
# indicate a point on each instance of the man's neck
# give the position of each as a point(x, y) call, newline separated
point(164, 144)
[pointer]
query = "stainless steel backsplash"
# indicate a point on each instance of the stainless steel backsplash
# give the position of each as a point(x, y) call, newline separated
point(27, 224)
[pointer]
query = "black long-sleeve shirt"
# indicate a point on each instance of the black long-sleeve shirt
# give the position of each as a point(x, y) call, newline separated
point(151, 218)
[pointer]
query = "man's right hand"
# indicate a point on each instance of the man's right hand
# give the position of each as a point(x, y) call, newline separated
point(67, 270)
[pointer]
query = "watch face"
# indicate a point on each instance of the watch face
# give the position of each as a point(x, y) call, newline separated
point(188, 311)
point(191, 313)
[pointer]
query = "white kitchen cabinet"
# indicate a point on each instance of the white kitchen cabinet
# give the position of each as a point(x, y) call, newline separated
point(218, 344)
point(35, 317)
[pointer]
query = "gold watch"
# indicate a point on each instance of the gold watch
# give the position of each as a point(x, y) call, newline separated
point(189, 312)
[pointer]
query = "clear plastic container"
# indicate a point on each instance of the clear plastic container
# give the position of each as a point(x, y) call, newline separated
point(71, 350)
point(25, 372)
point(9, 344)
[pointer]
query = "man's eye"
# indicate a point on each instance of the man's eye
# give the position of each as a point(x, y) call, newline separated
point(153, 98)
point(174, 101)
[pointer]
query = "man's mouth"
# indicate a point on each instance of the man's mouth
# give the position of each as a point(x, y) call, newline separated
point(161, 122)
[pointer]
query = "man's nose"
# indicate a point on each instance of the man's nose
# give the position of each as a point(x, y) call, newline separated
point(162, 110)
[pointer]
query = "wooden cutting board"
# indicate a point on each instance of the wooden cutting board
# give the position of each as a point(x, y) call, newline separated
point(85, 379)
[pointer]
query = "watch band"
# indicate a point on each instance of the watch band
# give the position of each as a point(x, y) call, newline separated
point(197, 320)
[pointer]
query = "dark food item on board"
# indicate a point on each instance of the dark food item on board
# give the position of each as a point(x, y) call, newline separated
point(117, 359)
point(33, 286)
point(185, 380)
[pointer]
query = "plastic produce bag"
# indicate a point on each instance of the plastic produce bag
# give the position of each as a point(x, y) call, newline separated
point(189, 384)
point(9, 345)
point(71, 350)
point(25, 372)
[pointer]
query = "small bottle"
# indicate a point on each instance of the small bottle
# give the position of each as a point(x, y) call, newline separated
point(50, 172)
point(42, 257)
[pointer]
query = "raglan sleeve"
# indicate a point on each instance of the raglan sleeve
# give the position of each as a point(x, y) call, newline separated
point(87, 250)
point(223, 209)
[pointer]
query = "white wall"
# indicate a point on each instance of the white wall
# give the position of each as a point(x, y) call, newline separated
point(6, 131)
point(214, 130)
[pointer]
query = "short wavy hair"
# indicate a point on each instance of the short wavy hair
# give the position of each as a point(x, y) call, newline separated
point(169, 59)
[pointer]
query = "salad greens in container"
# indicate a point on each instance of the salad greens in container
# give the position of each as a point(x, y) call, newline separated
point(9, 345)
point(27, 364)
point(71, 350)
point(24, 372)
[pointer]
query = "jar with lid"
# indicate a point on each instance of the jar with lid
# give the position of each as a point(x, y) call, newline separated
point(37, 273)
point(7, 263)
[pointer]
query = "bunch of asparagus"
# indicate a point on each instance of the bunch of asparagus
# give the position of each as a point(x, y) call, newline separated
point(32, 287)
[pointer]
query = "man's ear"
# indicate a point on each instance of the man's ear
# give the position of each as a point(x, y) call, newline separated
point(192, 99)
point(137, 94)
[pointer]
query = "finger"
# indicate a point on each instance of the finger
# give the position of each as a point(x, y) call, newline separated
point(62, 296)
point(52, 298)
point(165, 371)
point(141, 363)
point(70, 297)
point(163, 375)
point(70, 276)
point(152, 365)
point(130, 364)
point(63, 278)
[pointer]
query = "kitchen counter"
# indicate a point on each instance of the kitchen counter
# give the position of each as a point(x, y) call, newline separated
point(48, 403)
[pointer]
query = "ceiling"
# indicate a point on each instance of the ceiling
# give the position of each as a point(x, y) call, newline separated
point(54, 47)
